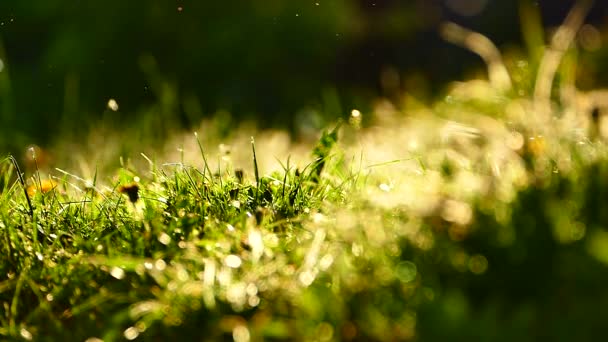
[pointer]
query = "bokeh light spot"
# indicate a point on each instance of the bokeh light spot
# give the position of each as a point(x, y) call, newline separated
point(233, 261)
point(406, 271)
point(478, 264)
point(112, 105)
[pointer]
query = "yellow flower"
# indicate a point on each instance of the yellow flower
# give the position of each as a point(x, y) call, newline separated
point(44, 186)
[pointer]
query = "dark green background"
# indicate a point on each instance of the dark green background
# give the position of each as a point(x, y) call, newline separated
point(257, 59)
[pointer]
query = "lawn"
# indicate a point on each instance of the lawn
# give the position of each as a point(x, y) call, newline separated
point(478, 216)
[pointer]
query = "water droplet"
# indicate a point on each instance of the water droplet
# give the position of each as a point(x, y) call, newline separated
point(233, 261)
point(306, 278)
point(251, 289)
point(253, 301)
point(164, 238)
point(112, 105)
point(131, 333)
point(241, 334)
point(117, 273)
point(326, 261)
point(182, 275)
point(93, 339)
point(160, 264)
point(26, 334)
point(257, 244)
point(385, 187)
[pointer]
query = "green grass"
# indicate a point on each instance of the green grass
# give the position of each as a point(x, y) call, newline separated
point(478, 217)
point(176, 246)
point(484, 228)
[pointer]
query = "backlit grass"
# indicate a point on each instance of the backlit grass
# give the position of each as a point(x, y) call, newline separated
point(477, 217)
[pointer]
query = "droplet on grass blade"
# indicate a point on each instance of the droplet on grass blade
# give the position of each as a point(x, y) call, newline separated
point(326, 261)
point(164, 238)
point(131, 333)
point(385, 187)
point(306, 277)
point(117, 273)
point(257, 244)
point(251, 289)
point(160, 264)
point(93, 339)
point(26, 334)
point(241, 334)
point(253, 301)
point(233, 261)
point(355, 118)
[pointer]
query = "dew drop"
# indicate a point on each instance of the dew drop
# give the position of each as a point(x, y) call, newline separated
point(131, 333)
point(233, 261)
point(117, 273)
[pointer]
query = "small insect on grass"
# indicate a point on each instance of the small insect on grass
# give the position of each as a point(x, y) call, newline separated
point(131, 190)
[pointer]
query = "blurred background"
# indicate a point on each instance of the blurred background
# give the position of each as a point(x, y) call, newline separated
point(67, 68)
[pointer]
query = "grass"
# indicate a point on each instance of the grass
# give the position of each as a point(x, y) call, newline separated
point(478, 217)
point(485, 220)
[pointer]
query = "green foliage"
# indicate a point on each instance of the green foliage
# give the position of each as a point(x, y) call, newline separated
point(322, 150)
point(322, 252)
point(178, 246)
